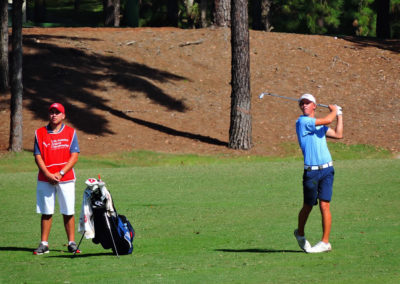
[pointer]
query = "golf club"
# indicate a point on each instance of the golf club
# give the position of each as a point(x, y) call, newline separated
point(112, 238)
point(287, 98)
point(77, 249)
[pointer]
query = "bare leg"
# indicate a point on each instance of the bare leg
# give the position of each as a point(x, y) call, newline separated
point(69, 224)
point(326, 220)
point(45, 223)
point(303, 216)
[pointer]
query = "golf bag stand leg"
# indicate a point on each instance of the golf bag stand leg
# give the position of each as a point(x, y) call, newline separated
point(112, 238)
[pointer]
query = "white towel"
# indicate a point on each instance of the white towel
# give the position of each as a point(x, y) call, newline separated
point(86, 222)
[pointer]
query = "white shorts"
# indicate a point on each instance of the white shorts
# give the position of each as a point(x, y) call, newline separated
point(46, 197)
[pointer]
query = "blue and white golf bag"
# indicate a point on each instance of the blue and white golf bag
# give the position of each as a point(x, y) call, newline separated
point(100, 221)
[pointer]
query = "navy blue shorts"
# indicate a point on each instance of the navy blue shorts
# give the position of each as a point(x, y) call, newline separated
point(318, 185)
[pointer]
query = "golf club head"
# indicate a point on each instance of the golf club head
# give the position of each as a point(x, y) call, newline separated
point(261, 96)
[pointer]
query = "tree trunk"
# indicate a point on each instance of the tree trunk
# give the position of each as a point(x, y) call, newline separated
point(111, 10)
point(240, 124)
point(222, 14)
point(261, 17)
point(40, 11)
point(189, 12)
point(77, 5)
point(203, 13)
point(16, 144)
point(4, 47)
point(117, 12)
point(383, 19)
point(172, 13)
point(265, 15)
point(256, 15)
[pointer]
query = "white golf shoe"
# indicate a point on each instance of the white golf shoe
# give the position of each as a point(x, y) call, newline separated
point(320, 247)
point(301, 240)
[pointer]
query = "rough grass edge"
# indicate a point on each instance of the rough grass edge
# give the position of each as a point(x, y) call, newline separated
point(24, 162)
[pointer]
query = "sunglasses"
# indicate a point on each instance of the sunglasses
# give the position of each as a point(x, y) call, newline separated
point(56, 112)
point(305, 103)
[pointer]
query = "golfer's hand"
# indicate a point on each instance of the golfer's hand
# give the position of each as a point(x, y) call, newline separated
point(333, 108)
point(339, 110)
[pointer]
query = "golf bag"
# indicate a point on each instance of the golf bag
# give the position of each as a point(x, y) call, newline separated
point(101, 222)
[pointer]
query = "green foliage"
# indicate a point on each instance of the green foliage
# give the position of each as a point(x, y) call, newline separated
point(152, 13)
point(316, 16)
point(62, 13)
point(359, 18)
point(395, 17)
point(350, 17)
point(366, 19)
point(214, 223)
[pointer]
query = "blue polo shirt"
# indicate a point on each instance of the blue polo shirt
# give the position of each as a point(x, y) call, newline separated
point(312, 141)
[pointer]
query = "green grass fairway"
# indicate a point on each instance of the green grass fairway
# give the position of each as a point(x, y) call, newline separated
point(229, 222)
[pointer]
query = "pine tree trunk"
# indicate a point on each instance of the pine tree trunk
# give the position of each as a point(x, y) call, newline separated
point(203, 13)
point(77, 5)
point(111, 10)
point(16, 144)
point(383, 19)
point(265, 15)
point(240, 124)
point(117, 12)
point(40, 11)
point(260, 12)
point(222, 14)
point(4, 47)
point(172, 12)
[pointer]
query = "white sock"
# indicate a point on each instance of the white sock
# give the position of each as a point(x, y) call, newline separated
point(71, 242)
point(44, 243)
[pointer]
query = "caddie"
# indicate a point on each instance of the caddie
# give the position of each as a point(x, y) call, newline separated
point(318, 168)
point(56, 152)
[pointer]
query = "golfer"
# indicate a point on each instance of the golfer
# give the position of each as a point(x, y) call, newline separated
point(56, 151)
point(318, 168)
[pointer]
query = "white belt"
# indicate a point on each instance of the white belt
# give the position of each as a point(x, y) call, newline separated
point(320, 167)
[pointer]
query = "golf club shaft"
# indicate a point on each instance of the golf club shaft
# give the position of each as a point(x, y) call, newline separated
point(287, 98)
point(79, 243)
point(112, 238)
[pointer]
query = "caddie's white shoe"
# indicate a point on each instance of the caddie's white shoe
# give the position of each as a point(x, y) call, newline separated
point(301, 240)
point(320, 247)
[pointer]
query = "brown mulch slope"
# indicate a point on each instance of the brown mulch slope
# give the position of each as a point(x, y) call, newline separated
point(168, 89)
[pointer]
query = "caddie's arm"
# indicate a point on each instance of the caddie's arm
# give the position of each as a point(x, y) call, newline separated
point(42, 166)
point(69, 165)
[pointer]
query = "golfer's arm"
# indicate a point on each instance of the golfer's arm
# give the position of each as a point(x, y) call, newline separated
point(327, 119)
point(338, 131)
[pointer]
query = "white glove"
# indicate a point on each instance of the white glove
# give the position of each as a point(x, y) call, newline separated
point(338, 110)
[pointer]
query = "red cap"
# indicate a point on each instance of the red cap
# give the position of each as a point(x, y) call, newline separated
point(58, 107)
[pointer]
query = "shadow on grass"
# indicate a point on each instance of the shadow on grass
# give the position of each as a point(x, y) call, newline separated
point(257, 250)
point(23, 249)
point(15, 249)
point(80, 255)
point(66, 255)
